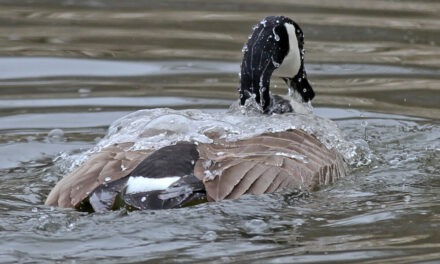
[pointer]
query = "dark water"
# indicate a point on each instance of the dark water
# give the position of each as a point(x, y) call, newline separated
point(79, 65)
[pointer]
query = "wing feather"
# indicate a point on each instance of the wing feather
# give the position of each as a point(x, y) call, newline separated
point(267, 163)
point(101, 167)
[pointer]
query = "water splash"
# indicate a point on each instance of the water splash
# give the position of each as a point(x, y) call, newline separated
point(245, 48)
point(157, 128)
point(151, 129)
point(56, 133)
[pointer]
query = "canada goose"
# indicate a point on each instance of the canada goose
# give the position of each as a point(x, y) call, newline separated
point(184, 173)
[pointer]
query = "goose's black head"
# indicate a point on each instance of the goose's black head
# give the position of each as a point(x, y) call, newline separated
point(275, 47)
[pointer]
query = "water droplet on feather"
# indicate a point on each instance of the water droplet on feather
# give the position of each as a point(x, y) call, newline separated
point(206, 164)
point(277, 38)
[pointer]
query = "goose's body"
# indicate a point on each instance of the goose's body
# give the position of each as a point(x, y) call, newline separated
point(224, 170)
point(217, 167)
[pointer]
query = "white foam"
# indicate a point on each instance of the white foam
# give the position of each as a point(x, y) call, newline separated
point(157, 128)
point(143, 184)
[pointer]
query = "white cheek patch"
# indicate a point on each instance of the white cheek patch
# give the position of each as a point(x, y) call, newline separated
point(292, 62)
point(142, 184)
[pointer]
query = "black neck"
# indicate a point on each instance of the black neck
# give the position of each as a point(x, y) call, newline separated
point(263, 53)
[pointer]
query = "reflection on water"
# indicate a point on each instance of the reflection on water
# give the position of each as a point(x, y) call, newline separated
point(80, 65)
point(23, 68)
point(44, 67)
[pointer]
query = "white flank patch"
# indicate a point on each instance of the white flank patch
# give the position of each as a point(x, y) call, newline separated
point(292, 62)
point(142, 184)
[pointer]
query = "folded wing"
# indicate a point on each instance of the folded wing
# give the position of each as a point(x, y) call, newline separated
point(267, 163)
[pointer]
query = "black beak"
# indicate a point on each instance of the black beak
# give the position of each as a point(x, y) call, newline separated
point(302, 86)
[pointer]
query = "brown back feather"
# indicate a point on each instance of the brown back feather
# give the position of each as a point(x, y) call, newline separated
point(265, 164)
point(78, 185)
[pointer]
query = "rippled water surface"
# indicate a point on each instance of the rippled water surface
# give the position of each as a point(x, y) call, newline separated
point(68, 69)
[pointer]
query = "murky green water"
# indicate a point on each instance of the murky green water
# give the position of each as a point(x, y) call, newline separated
point(79, 65)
